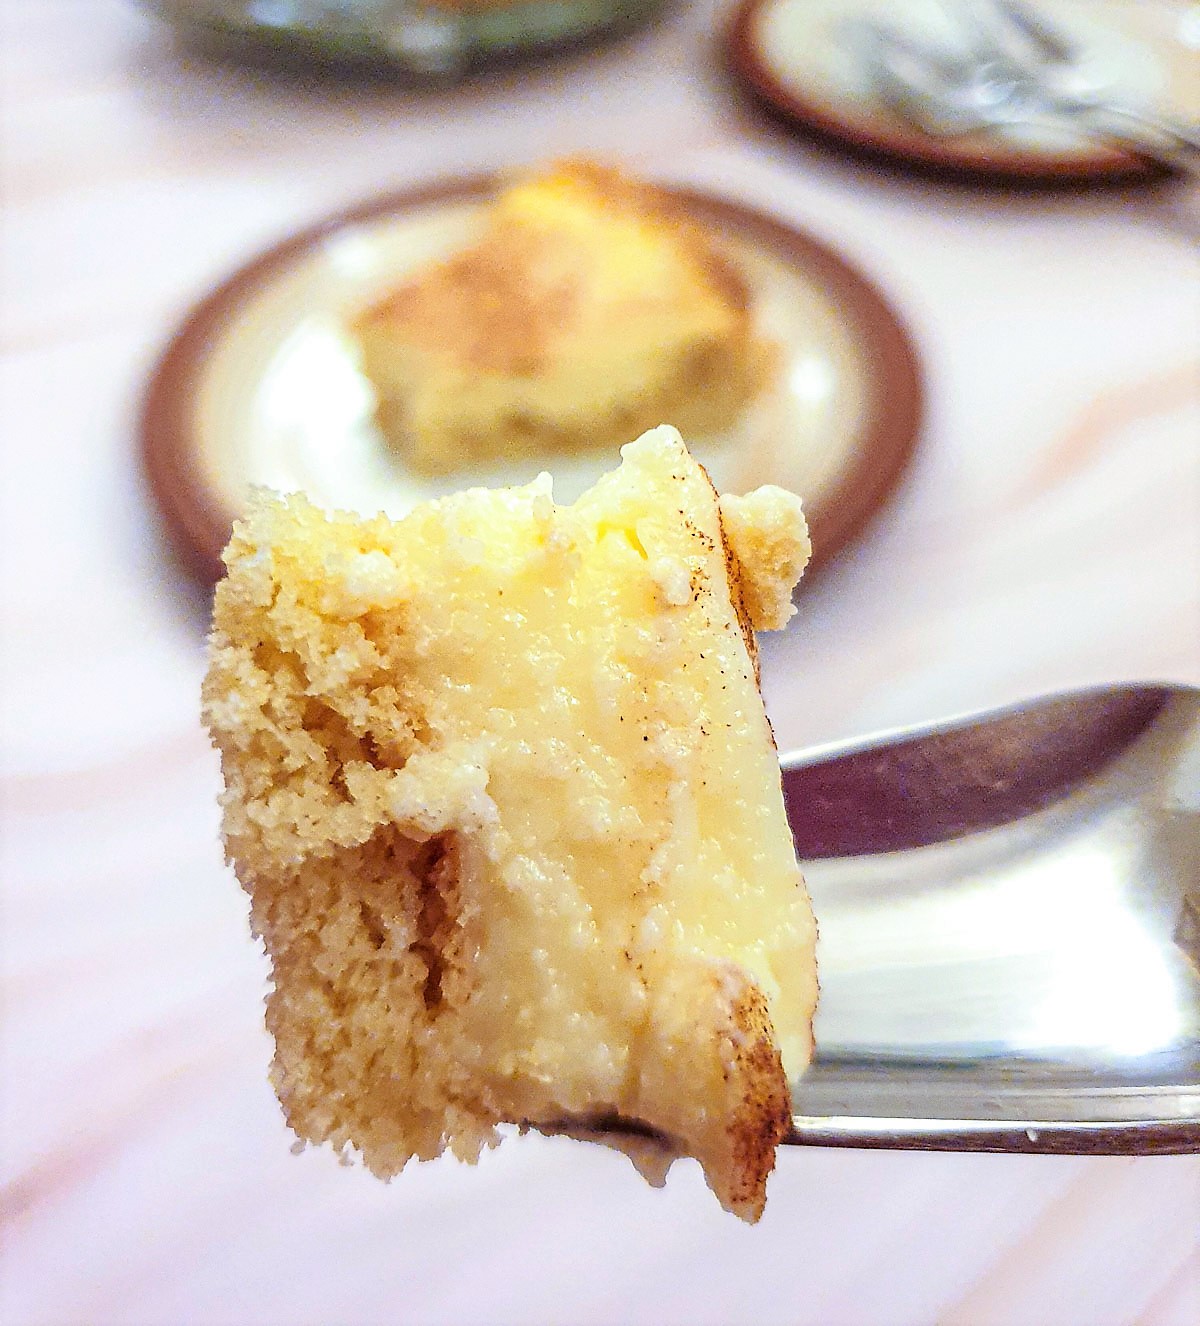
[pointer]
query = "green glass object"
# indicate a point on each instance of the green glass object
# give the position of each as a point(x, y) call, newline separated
point(421, 37)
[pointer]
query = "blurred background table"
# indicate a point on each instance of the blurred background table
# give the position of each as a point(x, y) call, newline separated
point(1047, 535)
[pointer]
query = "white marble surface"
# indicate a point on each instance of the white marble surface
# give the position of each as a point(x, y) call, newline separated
point(1048, 534)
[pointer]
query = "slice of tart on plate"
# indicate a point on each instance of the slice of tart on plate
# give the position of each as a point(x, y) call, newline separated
point(590, 307)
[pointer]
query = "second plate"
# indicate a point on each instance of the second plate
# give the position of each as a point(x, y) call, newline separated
point(260, 386)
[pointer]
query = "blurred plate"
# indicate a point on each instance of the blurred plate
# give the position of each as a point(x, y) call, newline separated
point(789, 54)
point(261, 385)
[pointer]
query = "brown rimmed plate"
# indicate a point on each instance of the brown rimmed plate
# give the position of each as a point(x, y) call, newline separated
point(260, 385)
point(789, 55)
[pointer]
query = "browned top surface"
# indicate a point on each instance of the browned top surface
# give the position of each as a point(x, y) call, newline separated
point(506, 303)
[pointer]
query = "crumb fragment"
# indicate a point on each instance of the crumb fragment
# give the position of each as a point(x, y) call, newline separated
point(768, 534)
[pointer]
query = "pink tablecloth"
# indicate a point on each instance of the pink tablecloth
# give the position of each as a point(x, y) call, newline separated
point(1047, 535)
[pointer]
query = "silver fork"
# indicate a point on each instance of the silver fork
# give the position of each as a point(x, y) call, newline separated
point(1055, 58)
point(1015, 69)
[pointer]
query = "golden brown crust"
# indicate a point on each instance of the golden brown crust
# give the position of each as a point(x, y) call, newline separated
point(735, 1106)
point(734, 575)
point(485, 308)
point(737, 595)
point(501, 305)
point(762, 1122)
point(738, 1149)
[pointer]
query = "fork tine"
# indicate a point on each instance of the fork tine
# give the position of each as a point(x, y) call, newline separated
point(1050, 41)
point(913, 78)
point(881, 40)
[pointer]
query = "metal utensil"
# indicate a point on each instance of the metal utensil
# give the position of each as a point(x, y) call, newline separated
point(1056, 57)
point(1011, 69)
point(1009, 913)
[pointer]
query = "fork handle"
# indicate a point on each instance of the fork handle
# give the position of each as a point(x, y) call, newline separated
point(1160, 137)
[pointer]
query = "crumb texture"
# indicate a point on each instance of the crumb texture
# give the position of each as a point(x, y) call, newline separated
point(767, 533)
point(501, 788)
point(588, 308)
